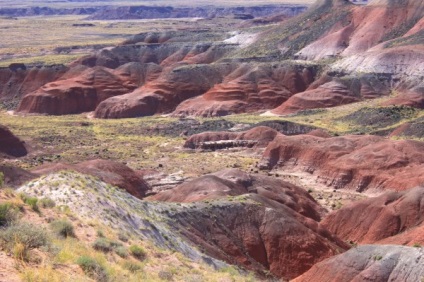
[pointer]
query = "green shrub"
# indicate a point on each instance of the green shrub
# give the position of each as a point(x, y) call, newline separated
point(63, 228)
point(103, 245)
point(8, 214)
point(22, 237)
point(122, 252)
point(138, 252)
point(100, 234)
point(123, 237)
point(30, 201)
point(47, 203)
point(132, 266)
point(1, 179)
point(92, 268)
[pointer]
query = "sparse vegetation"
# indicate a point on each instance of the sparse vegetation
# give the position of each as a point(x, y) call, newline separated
point(8, 214)
point(30, 201)
point(92, 268)
point(138, 252)
point(47, 203)
point(132, 266)
point(63, 228)
point(20, 238)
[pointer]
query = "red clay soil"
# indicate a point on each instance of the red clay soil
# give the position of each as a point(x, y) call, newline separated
point(353, 162)
point(249, 88)
point(330, 94)
point(162, 95)
point(261, 135)
point(369, 263)
point(82, 92)
point(274, 226)
point(18, 80)
point(10, 144)
point(114, 173)
point(234, 182)
point(15, 177)
point(408, 98)
point(376, 219)
point(365, 27)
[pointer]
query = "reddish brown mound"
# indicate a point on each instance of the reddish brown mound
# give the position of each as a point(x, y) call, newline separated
point(82, 93)
point(164, 94)
point(10, 144)
point(364, 27)
point(114, 173)
point(330, 94)
point(263, 230)
point(375, 219)
point(15, 177)
point(353, 162)
point(234, 182)
point(249, 88)
point(18, 80)
point(319, 133)
point(370, 263)
point(258, 136)
point(410, 98)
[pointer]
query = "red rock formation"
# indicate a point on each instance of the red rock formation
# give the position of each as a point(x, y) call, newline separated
point(163, 94)
point(327, 95)
point(353, 162)
point(274, 227)
point(249, 88)
point(114, 173)
point(10, 144)
point(369, 263)
point(234, 182)
point(17, 80)
point(375, 219)
point(259, 136)
point(82, 93)
point(408, 98)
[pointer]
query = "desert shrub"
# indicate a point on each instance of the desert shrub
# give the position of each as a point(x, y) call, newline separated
point(165, 275)
point(9, 192)
point(123, 237)
point(63, 228)
point(47, 203)
point(92, 268)
point(8, 214)
point(122, 252)
point(138, 252)
point(22, 237)
point(105, 245)
point(1, 179)
point(30, 201)
point(132, 266)
point(100, 234)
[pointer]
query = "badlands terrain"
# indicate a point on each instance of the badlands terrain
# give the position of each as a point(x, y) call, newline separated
point(239, 141)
